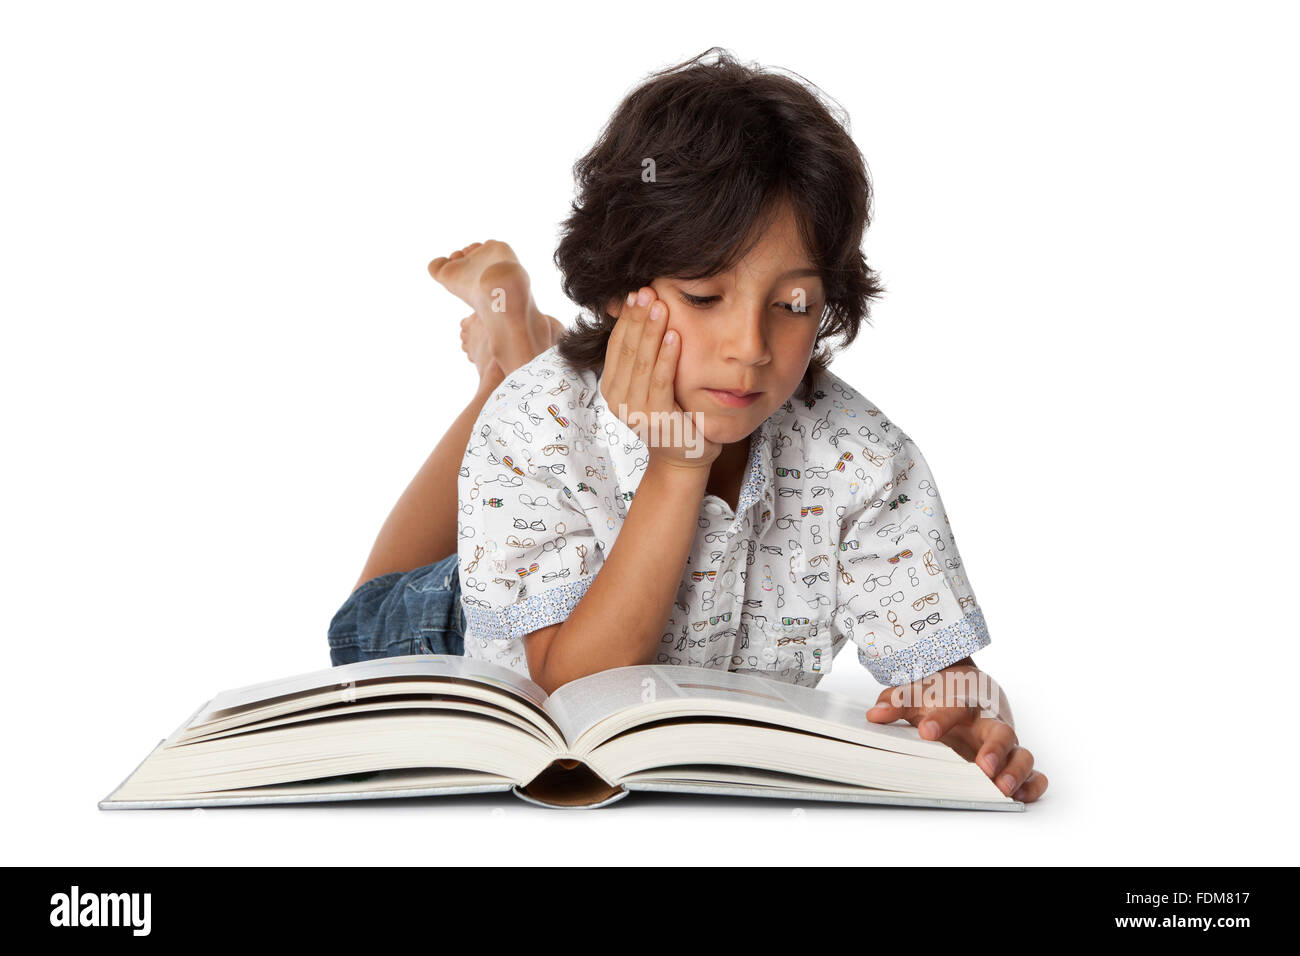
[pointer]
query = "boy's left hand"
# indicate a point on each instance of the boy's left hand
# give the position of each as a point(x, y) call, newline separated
point(990, 742)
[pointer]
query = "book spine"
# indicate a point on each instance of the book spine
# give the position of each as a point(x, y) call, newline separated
point(569, 783)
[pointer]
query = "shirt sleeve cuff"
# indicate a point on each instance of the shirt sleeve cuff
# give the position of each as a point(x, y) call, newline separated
point(536, 611)
point(932, 653)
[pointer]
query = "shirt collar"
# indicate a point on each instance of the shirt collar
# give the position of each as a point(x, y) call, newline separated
point(760, 480)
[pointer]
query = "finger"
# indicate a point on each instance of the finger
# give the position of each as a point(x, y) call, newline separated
point(888, 706)
point(1032, 788)
point(997, 741)
point(613, 351)
point(662, 379)
point(933, 722)
point(1019, 763)
point(647, 354)
point(612, 346)
point(633, 321)
point(961, 740)
point(889, 712)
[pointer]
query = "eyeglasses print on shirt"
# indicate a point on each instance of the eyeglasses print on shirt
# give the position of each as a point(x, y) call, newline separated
point(837, 490)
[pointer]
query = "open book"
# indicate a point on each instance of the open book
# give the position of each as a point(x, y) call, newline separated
point(429, 724)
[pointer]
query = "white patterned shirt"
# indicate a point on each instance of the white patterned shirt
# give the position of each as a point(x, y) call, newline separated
point(839, 535)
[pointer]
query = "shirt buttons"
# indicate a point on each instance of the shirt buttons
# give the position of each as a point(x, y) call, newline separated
point(769, 655)
point(713, 508)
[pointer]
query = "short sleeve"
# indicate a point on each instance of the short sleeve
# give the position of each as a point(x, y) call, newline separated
point(911, 609)
point(527, 550)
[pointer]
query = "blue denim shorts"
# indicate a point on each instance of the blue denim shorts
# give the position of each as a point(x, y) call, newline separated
point(406, 612)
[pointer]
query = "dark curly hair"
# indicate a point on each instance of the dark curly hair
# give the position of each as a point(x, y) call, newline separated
point(730, 142)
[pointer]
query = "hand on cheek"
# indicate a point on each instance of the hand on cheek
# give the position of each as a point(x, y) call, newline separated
point(639, 383)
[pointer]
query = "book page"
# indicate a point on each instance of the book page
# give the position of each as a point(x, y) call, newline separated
point(581, 705)
point(386, 668)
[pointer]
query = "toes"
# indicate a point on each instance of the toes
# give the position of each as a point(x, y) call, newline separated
point(441, 261)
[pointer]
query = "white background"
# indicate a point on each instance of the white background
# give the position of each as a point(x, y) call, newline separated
point(224, 360)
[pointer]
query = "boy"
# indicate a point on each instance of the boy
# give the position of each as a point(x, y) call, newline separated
point(786, 515)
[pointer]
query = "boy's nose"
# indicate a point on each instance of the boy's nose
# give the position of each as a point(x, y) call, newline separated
point(746, 339)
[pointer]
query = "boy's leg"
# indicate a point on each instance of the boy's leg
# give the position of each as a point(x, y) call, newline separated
point(501, 335)
point(419, 530)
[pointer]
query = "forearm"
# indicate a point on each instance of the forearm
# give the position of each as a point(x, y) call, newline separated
point(620, 619)
point(421, 528)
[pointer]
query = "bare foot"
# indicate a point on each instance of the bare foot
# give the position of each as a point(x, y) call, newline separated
point(459, 271)
point(474, 342)
point(488, 276)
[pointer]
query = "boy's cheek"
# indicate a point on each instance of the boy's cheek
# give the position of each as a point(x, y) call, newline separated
point(686, 356)
point(686, 383)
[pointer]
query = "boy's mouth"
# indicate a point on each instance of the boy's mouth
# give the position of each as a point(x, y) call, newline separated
point(733, 399)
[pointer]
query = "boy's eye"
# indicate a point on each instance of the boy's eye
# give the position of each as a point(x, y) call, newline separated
point(697, 300)
point(700, 301)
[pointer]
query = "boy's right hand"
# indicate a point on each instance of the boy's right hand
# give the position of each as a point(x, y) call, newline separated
point(638, 383)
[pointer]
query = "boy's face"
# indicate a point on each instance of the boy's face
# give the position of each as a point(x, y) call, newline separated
point(747, 335)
